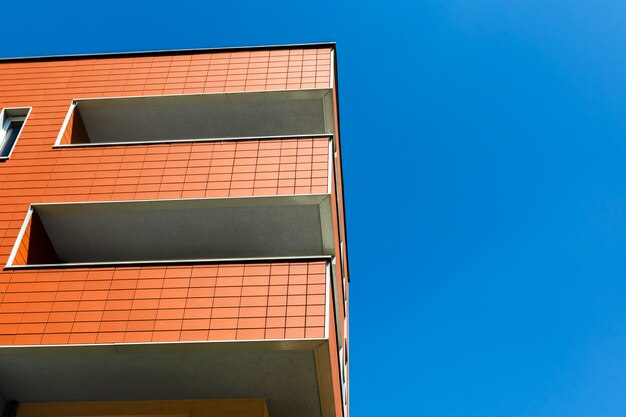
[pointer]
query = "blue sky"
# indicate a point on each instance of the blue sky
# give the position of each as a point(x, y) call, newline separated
point(485, 169)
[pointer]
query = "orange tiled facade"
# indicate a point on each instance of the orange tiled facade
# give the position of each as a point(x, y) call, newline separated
point(290, 299)
point(165, 304)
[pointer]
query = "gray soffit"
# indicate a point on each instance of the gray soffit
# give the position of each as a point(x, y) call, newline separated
point(284, 373)
point(207, 116)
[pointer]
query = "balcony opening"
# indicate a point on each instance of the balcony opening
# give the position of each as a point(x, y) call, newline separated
point(174, 231)
point(197, 117)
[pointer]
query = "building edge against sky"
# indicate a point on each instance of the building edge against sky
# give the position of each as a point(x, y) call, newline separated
point(173, 234)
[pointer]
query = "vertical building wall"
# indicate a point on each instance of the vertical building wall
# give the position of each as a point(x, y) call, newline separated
point(163, 303)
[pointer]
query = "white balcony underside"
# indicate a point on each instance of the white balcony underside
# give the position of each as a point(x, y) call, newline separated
point(283, 372)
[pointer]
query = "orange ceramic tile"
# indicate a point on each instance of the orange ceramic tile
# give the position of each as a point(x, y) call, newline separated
point(294, 333)
point(27, 339)
point(55, 339)
point(275, 333)
point(194, 335)
point(83, 338)
point(197, 313)
point(138, 337)
point(110, 337)
point(165, 336)
point(204, 302)
point(221, 334)
point(250, 334)
point(168, 325)
point(170, 314)
point(314, 332)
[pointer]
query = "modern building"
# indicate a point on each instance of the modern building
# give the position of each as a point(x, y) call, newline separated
point(173, 236)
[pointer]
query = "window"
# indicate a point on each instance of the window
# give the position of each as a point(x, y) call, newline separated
point(12, 121)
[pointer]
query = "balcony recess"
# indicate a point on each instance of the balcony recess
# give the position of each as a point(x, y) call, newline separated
point(175, 231)
point(197, 117)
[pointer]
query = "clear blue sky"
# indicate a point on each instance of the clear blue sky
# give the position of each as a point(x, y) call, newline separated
point(485, 166)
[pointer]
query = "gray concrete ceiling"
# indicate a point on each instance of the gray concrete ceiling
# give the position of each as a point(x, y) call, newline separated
point(206, 116)
point(285, 376)
point(188, 229)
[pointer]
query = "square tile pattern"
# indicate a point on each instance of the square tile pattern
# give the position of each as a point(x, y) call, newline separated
point(273, 300)
point(164, 303)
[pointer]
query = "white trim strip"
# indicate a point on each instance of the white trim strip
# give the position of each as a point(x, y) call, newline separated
point(289, 198)
point(328, 301)
point(331, 164)
point(168, 261)
point(20, 235)
point(215, 93)
point(191, 342)
point(152, 142)
point(332, 69)
point(65, 123)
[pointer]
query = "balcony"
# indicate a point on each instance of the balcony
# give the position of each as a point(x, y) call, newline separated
point(136, 120)
point(230, 336)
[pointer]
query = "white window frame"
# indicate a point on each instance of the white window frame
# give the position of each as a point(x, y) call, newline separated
point(5, 121)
